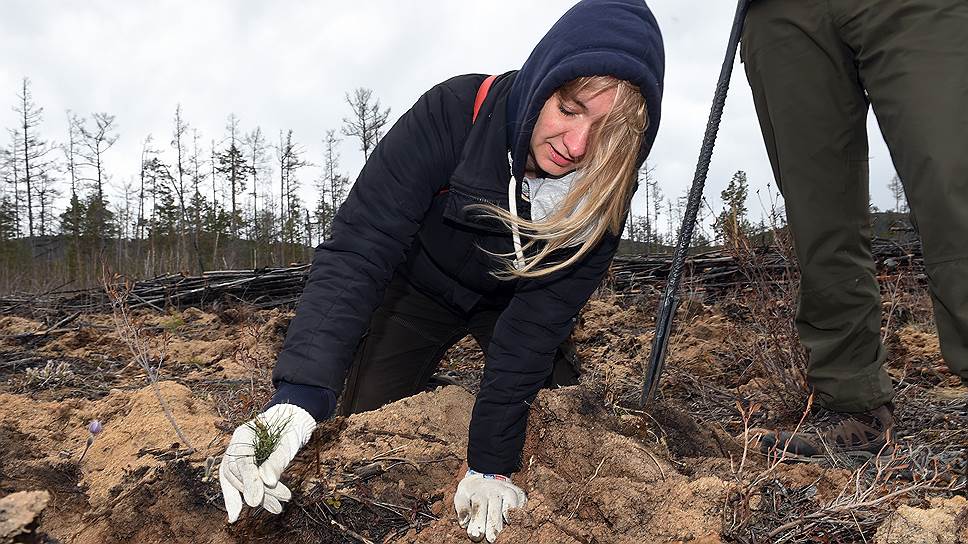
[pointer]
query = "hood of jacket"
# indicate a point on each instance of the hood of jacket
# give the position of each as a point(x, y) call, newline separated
point(619, 38)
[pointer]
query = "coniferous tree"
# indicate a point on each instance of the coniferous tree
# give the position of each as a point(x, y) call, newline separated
point(198, 206)
point(10, 183)
point(98, 223)
point(653, 199)
point(71, 223)
point(47, 193)
point(213, 165)
point(733, 222)
point(13, 179)
point(235, 168)
point(164, 215)
point(8, 219)
point(125, 211)
point(8, 206)
point(182, 173)
point(218, 220)
point(71, 218)
point(147, 153)
point(91, 218)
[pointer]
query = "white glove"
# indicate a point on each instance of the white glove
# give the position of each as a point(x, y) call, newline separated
point(482, 503)
point(241, 478)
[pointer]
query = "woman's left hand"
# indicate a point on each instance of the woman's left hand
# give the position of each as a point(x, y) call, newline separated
point(482, 503)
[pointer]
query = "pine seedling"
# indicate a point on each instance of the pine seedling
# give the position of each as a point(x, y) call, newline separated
point(267, 435)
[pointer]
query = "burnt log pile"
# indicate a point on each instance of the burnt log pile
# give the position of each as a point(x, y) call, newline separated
point(721, 272)
point(260, 288)
point(711, 273)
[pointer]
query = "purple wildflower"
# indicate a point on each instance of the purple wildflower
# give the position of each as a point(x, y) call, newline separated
point(94, 427)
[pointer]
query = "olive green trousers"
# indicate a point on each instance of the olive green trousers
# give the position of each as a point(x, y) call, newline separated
point(815, 67)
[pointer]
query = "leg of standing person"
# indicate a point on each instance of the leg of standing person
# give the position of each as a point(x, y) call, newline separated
point(812, 111)
point(913, 60)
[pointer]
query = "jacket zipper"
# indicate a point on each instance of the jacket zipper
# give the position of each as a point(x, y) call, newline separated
point(476, 198)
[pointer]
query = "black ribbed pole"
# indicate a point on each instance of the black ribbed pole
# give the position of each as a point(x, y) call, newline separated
point(670, 299)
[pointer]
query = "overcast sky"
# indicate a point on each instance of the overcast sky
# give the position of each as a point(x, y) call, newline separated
point(282, 65)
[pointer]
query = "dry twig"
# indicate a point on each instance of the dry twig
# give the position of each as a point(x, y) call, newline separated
point(132, 336)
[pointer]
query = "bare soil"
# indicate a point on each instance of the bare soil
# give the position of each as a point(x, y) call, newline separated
point(595, 467)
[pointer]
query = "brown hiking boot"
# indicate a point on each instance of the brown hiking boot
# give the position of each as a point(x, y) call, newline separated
point(863, 433)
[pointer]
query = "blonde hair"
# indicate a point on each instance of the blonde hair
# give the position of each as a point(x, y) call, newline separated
point(601, 191)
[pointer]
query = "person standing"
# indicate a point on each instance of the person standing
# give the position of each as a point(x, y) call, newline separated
point(815, 67)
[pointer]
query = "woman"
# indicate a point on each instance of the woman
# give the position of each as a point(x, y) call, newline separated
point(499, 220)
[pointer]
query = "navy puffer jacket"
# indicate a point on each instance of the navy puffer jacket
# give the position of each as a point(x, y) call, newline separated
point(398, 217)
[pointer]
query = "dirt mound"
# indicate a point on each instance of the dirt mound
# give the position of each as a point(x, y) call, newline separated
point(915, 355)
point(945, 521)
point(918, 345)
point(586, 482)
point(589, 483)
point(695, 347)
point(13, 325)
point(135, 431)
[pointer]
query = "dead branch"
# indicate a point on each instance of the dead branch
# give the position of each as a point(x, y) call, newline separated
point(130, 334)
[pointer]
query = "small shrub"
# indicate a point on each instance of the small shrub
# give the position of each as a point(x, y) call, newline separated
point(52, 374)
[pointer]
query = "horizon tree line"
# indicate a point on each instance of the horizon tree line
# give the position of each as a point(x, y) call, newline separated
point(191, 207)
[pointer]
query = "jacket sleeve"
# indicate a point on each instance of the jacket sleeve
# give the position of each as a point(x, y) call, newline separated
point(526, 336)
point(372, 232)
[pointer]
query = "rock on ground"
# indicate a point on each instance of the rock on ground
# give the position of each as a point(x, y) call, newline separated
point(18, 513)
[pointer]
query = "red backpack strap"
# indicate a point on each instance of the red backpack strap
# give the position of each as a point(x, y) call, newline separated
point(481, 95)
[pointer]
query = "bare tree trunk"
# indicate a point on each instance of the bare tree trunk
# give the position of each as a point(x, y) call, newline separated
point(140, 233)
point(25, 127)
point(180, 128)
point(214, 186)
point(257, 148)
point(71, 165)
point(283, 153)
point(16, 187)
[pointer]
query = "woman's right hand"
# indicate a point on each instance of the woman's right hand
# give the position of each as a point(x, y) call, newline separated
point(482, 502)
point(259, 485)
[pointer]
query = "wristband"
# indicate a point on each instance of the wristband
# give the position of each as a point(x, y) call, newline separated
point(499, 477)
